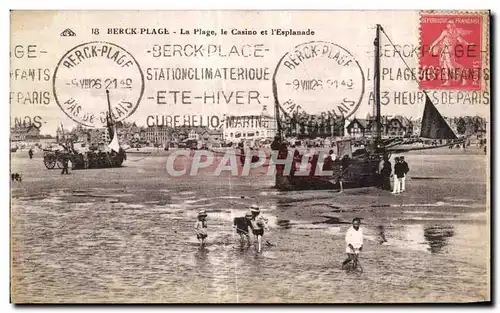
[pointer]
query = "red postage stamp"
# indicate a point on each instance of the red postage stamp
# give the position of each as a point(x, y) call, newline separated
point(451, 49)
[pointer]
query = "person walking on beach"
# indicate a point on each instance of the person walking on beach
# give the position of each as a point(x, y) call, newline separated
point(30, 153)
point(353, 240)
point(329, 161)
point(344, 166)
point(258, 223)
point(201, 227)
point(65, 166)
point(385, 173)
point(405, 169)
point(398, 173)
point(242, 226)
point(242, 154)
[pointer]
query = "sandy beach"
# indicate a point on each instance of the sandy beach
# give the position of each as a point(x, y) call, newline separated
point(126, 235)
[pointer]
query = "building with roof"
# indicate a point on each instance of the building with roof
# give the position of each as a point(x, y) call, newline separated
point(359, 127)
point(25, 133)
point(157, 135)
point(398, 126)
point(257, 127)
point(98, 136)
point(391, 126)
point(212, 138)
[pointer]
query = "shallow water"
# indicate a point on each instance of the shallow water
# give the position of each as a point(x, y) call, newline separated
point(132, 240)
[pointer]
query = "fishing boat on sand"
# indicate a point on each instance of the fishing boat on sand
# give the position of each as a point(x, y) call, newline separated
point(113, 157)
point(360, 168)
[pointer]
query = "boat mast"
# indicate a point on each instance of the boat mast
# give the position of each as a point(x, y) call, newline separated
point(62, 130)
point(276, 108)
point(376, 85)
point(109, 107)
point(67, 143)
point(109, 119)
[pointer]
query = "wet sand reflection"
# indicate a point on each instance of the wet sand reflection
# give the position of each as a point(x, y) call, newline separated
point(438, 237)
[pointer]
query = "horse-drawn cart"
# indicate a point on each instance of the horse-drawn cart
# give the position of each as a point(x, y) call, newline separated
point(51, 159)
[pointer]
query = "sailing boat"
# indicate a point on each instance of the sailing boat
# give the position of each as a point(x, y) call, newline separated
point(433, 126)
point(362, 169)
point(114, 157)
point(116, 154)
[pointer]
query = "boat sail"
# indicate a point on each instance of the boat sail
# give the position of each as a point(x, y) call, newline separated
point(114, 145)
point(362, 169)
point(433, 124)
point(117, 154)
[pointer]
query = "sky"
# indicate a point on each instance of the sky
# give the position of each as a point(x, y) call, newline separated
point(36, 45)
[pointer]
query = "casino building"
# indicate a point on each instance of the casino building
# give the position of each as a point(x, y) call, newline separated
point(247, 128)
point(157, 135)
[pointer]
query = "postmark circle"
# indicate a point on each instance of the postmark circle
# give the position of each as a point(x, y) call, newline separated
point(83, 75)
point(318, 80)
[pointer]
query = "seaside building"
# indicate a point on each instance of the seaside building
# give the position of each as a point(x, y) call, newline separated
point(360, 127)
point(257, 127)
point(157, 135)
point(398, 126)
point(391, 126)
point(212, 138)
point(98, 135)
point(25, 133)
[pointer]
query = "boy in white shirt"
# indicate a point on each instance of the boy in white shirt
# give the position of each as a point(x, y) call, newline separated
point(353, 240)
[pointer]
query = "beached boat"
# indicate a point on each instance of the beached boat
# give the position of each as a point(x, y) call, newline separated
point(360, 168)
point(113, 157)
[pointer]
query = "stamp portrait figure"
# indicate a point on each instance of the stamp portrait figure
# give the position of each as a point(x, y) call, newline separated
point(446, 44)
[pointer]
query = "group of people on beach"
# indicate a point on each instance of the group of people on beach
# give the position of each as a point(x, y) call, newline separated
point(252, 222)
point(399, 175)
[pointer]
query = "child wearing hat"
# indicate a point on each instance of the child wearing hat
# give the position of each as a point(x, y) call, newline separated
point(201, 227)
point(242, 225)
point(258, 223)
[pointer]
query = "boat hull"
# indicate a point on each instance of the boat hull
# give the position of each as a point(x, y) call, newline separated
point(354, 173)
point(102, 160)
point(81, 161)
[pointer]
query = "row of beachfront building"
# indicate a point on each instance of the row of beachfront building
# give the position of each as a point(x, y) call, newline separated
point(261, 129)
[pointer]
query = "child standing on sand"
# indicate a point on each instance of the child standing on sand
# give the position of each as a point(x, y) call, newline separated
point(258, 223)
point(354, 241)
point(242, 226)
point(201, 227)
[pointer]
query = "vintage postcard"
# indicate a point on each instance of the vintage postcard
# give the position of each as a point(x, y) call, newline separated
point(250, 156)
